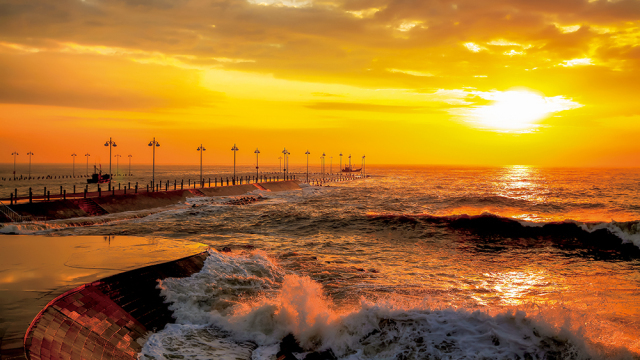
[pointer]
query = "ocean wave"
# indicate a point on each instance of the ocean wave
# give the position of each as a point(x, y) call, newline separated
point(606, 235)
point(242, 306)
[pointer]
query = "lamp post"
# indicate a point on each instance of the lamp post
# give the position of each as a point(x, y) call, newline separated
point(154, 144)
point(15, 153)
point(284, 169)
point(117, 156)
point(257, 152)
point(130, 156)
point(307, 153)
point(350, 168)
point(286, 162)
point(323, 167)
point(234, 149)
point(87, 156)
point(110, 144)
point(364, 172)
point(73, 172)
point(201, 149)
point(340, 162)
point(30, 153)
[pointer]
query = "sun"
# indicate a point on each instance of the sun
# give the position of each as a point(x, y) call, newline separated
point(517, 110)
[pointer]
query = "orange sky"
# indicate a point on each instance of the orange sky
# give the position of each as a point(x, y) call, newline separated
point(494, 82)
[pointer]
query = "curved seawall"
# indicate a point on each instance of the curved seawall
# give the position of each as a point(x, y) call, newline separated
point(106, 319)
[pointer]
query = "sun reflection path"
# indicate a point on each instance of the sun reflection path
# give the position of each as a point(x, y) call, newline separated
point(517, 287)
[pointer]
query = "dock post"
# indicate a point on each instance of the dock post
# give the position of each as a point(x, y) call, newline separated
point(30, 196)
point(60, 189)
point(182, 184)
point(136, 190)
point(99, 191)
point(45, 192)
point(147, 187)
point(113, 191)
point(209, 182)
point(85, 193)
point(215, 182)
point(64, 195)
point(166, 186)
point(125, 190)
point(189, 183)
point(227, 181)
point(74, 189)
point(11, 201)
point(109, 188)
point(118, 186)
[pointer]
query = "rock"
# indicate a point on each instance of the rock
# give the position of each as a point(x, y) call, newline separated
point(324, 355)
point(289, 345)
point(226, 249)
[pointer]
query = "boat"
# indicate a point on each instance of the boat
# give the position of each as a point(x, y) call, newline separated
point(350, 169)
point(97, 177)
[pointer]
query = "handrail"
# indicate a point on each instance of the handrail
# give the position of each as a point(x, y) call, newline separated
point(12, 215)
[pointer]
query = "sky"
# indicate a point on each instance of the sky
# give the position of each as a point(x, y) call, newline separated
point(464, 82)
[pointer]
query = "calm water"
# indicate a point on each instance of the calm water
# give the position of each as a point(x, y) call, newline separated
point(412, 263)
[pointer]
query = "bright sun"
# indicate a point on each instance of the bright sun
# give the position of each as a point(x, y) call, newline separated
point(517, 110)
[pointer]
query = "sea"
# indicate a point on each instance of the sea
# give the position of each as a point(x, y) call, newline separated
point(411, 262)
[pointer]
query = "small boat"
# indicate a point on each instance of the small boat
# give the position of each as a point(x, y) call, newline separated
point(350, 169)
point(97, 177)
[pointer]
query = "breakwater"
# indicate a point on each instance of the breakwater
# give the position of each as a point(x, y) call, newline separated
point(102, 203)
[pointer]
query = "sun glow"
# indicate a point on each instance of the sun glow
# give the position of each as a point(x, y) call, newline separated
point(517, 111)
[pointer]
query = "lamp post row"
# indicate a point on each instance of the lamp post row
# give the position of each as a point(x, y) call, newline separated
point(110, 143)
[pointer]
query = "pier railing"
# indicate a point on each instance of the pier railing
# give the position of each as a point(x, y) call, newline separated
point(12, 215)
point(130, 188)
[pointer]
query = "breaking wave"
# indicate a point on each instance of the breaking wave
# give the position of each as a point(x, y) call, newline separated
point(243, 306)
point(607, 235)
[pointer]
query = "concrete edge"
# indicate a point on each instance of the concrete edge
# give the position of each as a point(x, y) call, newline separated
point(106, 319)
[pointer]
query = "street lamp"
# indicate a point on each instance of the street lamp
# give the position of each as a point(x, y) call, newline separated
point(286, 162)
point(30, 153)
point(340, 162)
point(284, 169)
point(15, 153)
point(350, 168)
point(364, 172)
point(201, 149)
point(87, 156)
point(130, 156)
point(117, 156)
point(234, 149)
point(73, 172)
point(257, 166)
point(110, 144)
point(154, 144)
point(307, 153)
point(323, 168)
